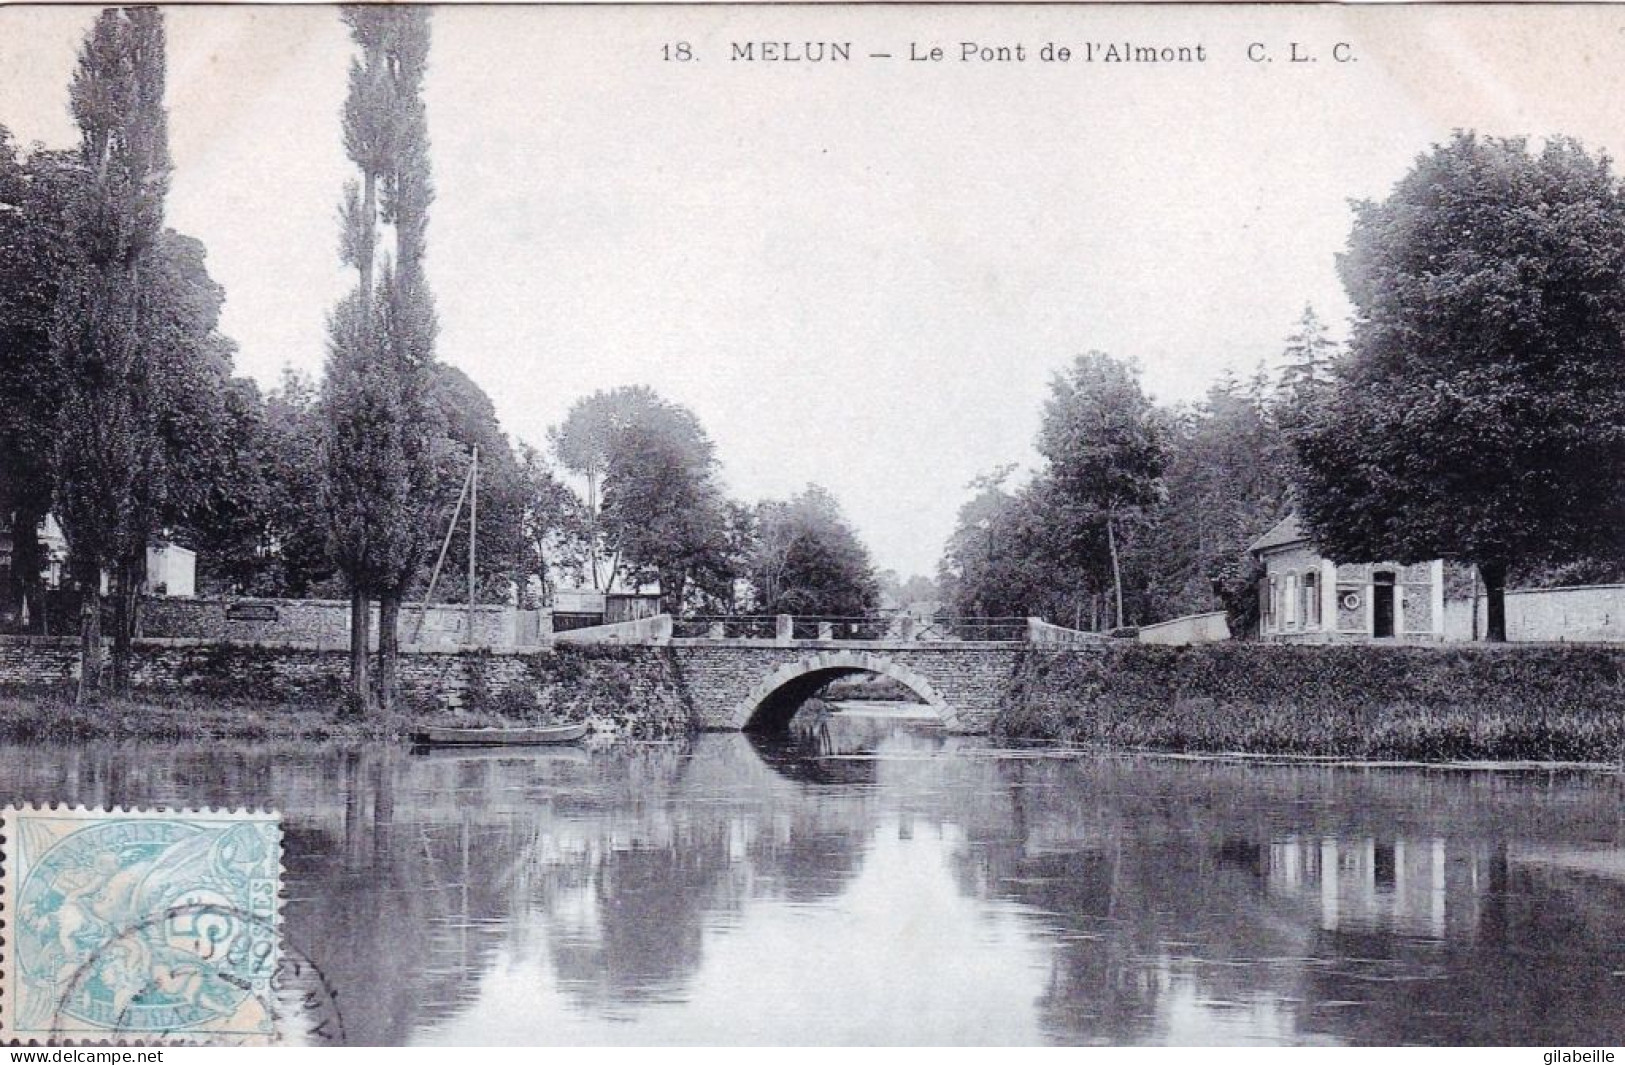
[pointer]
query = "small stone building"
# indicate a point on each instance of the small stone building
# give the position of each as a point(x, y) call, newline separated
point(1306, 597)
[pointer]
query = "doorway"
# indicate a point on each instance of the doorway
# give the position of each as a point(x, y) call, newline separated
point(1382, 605)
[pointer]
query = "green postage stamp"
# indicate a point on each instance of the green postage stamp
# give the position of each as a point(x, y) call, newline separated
point(135, 926)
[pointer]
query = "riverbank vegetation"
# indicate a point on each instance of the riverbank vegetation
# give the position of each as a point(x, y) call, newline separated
point(55, 714)
point(1421, 703)
point(1476, 413)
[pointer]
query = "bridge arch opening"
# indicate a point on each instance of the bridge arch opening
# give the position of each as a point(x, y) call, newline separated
point(773, 702)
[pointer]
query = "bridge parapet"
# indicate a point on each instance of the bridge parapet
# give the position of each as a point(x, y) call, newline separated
point(787, 629)
point(1041, 633)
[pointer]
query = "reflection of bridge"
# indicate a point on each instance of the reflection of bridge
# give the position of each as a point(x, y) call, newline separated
point(753, 673)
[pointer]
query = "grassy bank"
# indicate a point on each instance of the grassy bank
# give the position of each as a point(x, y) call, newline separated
point(1422, 703)
point(253, 692)
point(51, 714)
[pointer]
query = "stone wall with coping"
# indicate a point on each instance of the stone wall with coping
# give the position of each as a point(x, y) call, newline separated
point(1583, 614)
point(1210, 627)
point(324, 623)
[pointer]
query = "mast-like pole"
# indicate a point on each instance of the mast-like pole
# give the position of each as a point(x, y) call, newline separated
point(473, 525)
point(445, 545)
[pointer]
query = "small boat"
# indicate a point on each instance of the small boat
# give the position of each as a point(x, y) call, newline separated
point(501, 736)
point(553, 754)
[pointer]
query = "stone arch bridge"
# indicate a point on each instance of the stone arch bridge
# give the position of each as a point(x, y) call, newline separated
point(755, 677)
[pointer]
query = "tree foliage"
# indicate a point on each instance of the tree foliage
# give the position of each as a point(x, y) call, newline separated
point(34, 195)
point(807, 559)
point(109, 467)
point(655, 511)
point(388, 464)
point(1106, 448)
point(1227, 481)
point(1480, 414)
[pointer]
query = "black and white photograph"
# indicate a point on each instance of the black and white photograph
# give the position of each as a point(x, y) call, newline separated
point(798, 525)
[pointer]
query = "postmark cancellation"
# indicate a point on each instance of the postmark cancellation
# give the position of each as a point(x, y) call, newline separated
point(139, 926)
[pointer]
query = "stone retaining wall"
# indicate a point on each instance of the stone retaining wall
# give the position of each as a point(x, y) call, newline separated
point(628, 690)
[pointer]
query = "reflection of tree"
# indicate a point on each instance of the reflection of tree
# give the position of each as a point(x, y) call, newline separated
point(649, 938)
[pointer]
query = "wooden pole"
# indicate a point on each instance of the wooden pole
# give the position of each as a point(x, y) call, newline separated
point(473, 525)
point(445, 546)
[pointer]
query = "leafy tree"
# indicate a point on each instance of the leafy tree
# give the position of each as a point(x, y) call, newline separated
point(33, 256)
point(505, 491)
point(1480, 414)
point(295, 529)
point(108, 467)
point(554, 526)
point(1227, 482)
point(1024, 553)
point(230, 528)
point(1105, 443)
point(807, 559)
point(582, 444)
point(664, 513)
point(655, 511)
point(916, 590)
point(386, 458)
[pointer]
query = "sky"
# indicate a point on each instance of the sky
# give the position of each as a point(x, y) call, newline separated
point(863, 274)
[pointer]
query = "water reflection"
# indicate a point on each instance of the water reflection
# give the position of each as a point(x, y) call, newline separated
point(866, 880)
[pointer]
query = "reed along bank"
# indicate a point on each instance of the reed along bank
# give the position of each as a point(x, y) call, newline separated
point(1429, 703)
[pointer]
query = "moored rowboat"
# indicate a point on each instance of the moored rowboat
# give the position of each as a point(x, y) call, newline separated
point(502, 736)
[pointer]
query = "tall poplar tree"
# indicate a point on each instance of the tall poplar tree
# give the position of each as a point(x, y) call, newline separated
point(108, 463)
point(383, 445)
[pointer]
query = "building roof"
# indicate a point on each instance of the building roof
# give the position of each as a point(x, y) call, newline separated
point(1285, 532)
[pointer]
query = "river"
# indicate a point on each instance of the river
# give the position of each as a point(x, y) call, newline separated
point(870, 879)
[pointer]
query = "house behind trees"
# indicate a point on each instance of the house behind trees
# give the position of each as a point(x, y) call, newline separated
point(1308, 598)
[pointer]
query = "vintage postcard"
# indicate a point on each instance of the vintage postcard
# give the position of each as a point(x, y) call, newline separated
point(812, 524)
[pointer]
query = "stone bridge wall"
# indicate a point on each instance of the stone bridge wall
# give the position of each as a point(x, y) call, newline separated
point(718, 684)
point(724, 682)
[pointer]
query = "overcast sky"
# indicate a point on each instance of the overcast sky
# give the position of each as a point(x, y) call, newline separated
point(860, 275)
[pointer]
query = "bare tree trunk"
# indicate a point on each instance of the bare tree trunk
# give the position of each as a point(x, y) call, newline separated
point(1117, 570)
point(123, 624)
point(90, 643)
point(1495, 590)
point(360, 626)
point(592, 525)
point(389, 619)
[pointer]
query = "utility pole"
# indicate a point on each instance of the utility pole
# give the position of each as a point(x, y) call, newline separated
point(473, 525)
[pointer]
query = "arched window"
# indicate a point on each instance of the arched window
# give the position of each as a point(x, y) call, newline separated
point(1311, 600)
